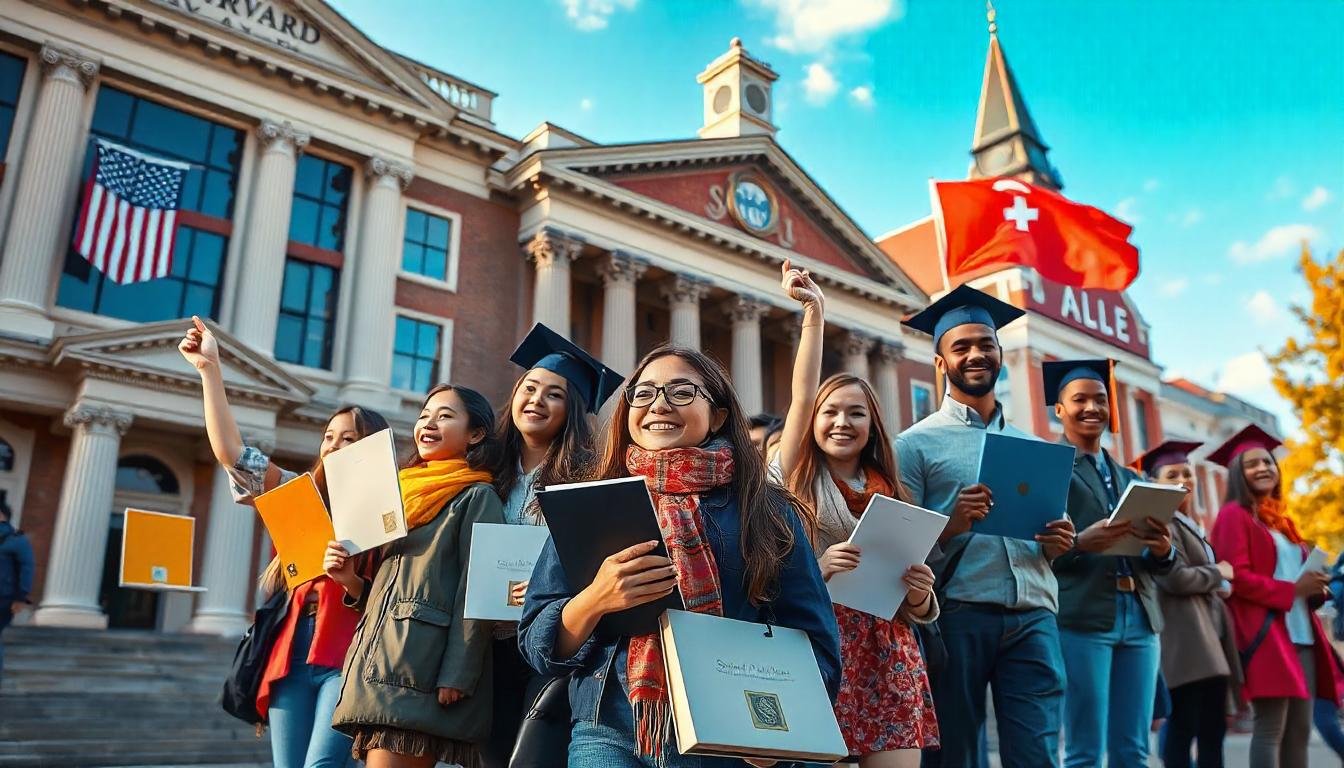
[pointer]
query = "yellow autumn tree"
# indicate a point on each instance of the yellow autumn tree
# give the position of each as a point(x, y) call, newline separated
point(1309, 373)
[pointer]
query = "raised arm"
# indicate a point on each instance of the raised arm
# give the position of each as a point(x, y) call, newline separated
point(798, 284)
point(202, 351)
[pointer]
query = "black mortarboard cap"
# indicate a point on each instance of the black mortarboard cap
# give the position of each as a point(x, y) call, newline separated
point(1057, 374)
point(544, 348)
point(961, 306)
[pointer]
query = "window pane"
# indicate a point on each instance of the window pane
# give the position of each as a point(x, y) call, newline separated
point(294, 294)
point(322, 296)
point(289, 339)
point(112, 115)
point(171, 131)
point(437, 234)
point(314, 344)
point(191, 190)
point(403, 372)
point(225, 147)
point(424, 375)
point(6, 124)
point(217, 197)
point(413, 258)
point(182, 248)
point(427, 341)
point(331, 234)
point(309, 176)
point(405, 336)
point(79, 284)
point(199, 300)
point(145, 474)
point(303, 221)
point(436, 264)
point(338, 188)
point(415, 225)
point(142, 302)
point(207, 254)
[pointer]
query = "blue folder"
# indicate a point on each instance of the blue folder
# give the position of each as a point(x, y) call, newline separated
point(1030, 483)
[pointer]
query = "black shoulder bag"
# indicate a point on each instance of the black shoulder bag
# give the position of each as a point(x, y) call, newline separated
point(249, 661)
point(543, 738)
point(930, 636)
point(1256, 641)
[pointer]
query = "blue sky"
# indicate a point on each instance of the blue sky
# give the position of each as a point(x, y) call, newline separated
point(1215, 128)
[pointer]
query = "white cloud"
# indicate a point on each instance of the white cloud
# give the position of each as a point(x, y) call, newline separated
point(1281, 188)
point(1263, 307)
point(1192, 217)
point(862, 95)
point(814, 25)
point(1277, 242)
point(1316, 199)
point(592, 15)
point(1249, 377)
point(1214, 278)
point(1127, 210)
point(586, 104)
point(819, 85)
point(1173, 288)
point(1151, 185)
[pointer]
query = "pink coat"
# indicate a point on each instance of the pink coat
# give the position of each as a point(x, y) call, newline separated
point(1242, 540)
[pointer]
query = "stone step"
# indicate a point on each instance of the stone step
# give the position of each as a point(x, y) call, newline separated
point(127, 729)
point(78, 707)
point(44, 754)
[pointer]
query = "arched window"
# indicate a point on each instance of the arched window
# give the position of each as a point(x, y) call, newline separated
point(145, 474)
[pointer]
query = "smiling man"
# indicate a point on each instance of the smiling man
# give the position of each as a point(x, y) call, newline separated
point(1109, 614)
point(999, 594)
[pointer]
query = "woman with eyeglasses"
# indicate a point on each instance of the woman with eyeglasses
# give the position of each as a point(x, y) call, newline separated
point(737, 548)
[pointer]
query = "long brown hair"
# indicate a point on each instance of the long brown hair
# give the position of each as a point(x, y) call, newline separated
point(876, 454)
point(1239, 490)
point(767, 534)
point(570, 455)
point(367, 422)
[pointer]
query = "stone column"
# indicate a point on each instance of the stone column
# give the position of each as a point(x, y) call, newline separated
point(552, 252)
point(620, 274)
point(79, 542)
point(746, 314)
point(267, 235)
point(226, 574)
point(854, 348)
point(887, 383)
point(34, 245)
point(684, 293)
point(368, 364)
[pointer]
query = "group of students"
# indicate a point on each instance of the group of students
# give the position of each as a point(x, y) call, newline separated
point(376, 662)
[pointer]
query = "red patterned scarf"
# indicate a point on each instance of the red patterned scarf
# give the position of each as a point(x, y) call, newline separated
point(873, 483)
point(676, 478)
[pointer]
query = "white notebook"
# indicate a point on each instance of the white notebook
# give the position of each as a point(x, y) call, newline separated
point(501, 556)
point(1139, 502)
point(891, 537)
point(740, 689)
point(364, 493)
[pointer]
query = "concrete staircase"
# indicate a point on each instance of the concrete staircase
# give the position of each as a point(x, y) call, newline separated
point(85, 698)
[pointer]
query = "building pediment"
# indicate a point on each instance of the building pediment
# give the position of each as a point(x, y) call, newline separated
point(147, 354)
point(744, 192)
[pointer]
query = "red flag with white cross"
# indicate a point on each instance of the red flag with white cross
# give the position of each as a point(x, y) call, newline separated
point(1003, 222)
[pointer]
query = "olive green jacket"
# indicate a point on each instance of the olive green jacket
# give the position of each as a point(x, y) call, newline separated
point(413, 640)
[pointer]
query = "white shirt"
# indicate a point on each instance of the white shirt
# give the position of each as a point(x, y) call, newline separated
point(1287, 568)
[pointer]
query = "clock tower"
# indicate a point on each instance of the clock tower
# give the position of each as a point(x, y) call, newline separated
point(738, 97)
point(1007, 142)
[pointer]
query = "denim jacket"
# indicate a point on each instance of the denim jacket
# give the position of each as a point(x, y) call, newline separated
point(803, 603)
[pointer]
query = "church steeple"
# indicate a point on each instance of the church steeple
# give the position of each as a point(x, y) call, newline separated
point(1007, 142)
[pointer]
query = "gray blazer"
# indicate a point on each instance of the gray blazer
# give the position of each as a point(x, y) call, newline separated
point(1197, 640)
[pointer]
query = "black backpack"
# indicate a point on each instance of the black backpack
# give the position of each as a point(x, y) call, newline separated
point(249, 661)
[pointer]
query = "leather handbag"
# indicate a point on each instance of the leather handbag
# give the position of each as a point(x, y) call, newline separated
point(543, 738)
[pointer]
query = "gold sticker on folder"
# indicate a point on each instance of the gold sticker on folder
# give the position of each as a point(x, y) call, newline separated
point(766, 712)
point(513, 601)
point(389, 522)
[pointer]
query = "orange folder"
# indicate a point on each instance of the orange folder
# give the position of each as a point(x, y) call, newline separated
point(156, 551)
point(299, 526)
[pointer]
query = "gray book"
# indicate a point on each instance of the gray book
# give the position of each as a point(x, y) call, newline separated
point(501, 556)
point(740, 689)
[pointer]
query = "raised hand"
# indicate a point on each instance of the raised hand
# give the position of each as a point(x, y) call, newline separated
point(199, 346)
point(800, 286)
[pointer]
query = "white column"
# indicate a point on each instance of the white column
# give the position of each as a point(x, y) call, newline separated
point(267, 235)
point(854, 348)
point(620, 275)
point(887, 383)
point(78, 545)
point(223, 608)
point(551, 253)
point(368, 366)
point(683, 295)
point(746, 315)
point(35, 244)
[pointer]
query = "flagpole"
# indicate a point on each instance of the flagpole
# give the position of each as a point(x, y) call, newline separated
point(940, 229)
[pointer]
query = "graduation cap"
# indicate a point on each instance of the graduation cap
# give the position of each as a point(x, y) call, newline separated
point(1250, 438)
point(1057, 374)
point(962, 306)
point(544, 348)
point(1169, 452)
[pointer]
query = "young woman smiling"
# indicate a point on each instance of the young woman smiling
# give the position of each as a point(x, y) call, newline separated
point(737, 548)
point(418, 685)
point(837, 455)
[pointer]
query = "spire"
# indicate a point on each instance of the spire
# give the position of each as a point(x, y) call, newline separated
point(1007, 142)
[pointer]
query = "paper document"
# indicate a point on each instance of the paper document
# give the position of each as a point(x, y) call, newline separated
point(891, 537)
point(364, 493)
point(1139, 502)
point(501, 557)
point(299, 526)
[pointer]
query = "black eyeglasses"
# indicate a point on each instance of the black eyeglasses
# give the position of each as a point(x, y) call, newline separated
point(679, 394)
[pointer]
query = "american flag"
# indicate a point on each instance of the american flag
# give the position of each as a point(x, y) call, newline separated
point(128, 219)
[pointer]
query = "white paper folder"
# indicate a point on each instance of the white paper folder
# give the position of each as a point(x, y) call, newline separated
point(1139, 502)
point(740, 689)
point(364, 493)
point(501, 556)
point(891, 537)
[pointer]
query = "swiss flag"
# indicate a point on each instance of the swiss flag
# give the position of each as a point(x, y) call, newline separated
point(998, 222)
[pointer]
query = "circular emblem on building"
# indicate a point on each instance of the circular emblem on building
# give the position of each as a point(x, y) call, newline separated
point(753, 204)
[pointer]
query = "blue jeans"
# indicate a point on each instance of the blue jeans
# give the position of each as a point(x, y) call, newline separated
point(302, 703)
point(6, 616)
point(611, 742)
point(1112, 682)
point(1326, 716)
point(1016, 655)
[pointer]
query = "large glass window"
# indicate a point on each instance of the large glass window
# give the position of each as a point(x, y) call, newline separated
point(11, 80)
point(415, 354)
point(321, 190)
point(307, 314)
point(921, 399)
point(204, 221)
point(427, 244)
